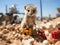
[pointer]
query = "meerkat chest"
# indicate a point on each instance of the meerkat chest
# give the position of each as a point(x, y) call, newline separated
point(30, 19)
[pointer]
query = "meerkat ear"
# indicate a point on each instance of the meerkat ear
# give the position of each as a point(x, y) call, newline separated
point(25, 7)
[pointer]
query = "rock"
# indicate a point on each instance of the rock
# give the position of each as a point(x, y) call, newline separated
point(46, 42)
point(5, 31)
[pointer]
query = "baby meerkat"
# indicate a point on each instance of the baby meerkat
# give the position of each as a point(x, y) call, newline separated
point(29, 17)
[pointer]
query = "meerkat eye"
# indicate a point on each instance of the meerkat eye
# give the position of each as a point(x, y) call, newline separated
point(34, 11)
point(28, 10)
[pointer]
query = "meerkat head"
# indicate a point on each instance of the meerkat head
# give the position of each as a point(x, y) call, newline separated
point(30, 9)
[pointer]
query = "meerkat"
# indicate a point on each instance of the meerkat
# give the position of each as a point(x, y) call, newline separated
point(30, 16)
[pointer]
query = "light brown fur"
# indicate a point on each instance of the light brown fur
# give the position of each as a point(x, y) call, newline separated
point(29, 17)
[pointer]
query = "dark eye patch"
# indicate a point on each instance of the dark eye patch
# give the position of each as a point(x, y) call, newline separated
point(34, 11)
point(28, 10)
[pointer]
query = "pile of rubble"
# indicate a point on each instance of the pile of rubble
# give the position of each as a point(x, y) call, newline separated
point(10, 35)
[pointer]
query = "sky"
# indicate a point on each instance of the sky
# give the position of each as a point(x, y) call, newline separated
point(48, 6)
